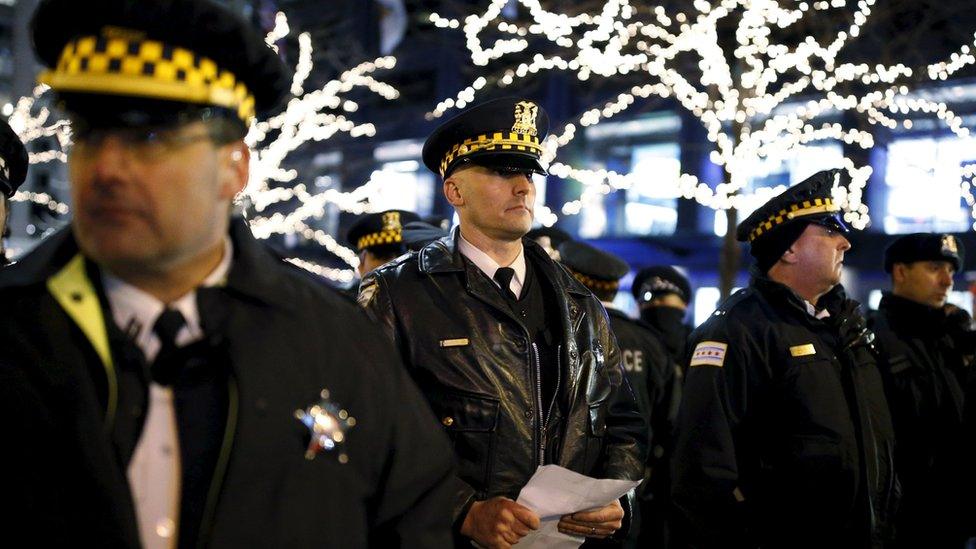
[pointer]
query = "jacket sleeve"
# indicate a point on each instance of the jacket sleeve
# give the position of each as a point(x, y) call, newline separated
point(626, 434)
point(414, 507)
point(627, 431)
point(705, 471)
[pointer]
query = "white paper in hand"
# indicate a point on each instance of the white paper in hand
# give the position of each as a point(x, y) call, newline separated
point(554, 491)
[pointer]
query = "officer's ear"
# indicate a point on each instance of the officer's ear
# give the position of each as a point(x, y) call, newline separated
point(235, 161)
point(898, 273)
point(452, 191)
point(789, 256)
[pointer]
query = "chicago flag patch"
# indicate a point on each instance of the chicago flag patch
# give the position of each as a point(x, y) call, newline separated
point(709, 353)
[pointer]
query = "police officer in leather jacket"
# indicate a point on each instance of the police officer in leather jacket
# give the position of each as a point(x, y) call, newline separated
point(514, 355)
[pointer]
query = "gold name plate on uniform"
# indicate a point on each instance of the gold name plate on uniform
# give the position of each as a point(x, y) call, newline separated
point(454, 342)
point(802, 350)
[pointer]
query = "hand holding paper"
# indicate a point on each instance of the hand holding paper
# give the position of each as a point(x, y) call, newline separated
point(555, 491)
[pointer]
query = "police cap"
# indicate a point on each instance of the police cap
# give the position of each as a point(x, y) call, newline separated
point(596, 269)
point(137, 63)
point(660, 280)
point(555, 235)
point(380, 229)
point(503, 133)
point(776, 225)
point(417, 234)
point(13, 160)
point(925, 247)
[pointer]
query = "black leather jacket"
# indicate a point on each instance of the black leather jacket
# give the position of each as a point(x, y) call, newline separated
point(472, 360)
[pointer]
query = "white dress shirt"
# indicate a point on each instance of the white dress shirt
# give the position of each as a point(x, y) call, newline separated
point(487, 265)
point(154, 470)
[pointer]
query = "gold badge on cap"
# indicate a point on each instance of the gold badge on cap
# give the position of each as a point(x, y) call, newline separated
point(525, 113)
point(391, 221)
point(949, 245)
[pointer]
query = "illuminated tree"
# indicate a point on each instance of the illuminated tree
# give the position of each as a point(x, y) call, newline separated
point(759, 75)
point(311, 116)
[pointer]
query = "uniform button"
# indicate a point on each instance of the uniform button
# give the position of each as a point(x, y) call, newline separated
point(448, 421)
point(573, 354)
point(528, 414)
point(524, 314)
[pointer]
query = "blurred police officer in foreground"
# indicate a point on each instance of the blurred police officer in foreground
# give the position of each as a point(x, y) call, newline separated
point(663, 294)
point(651, 373)
point(926, 348)
point(165, 379)
point(13, 172)
point(783, 435)
point(515, 356)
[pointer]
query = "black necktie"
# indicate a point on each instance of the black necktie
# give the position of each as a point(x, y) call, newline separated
point(167, 365)
point(503, 276)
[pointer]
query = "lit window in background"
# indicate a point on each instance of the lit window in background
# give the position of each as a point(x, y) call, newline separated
point(403, 185)
point(923, 183)
point(706, 301)
point(803, 162)
point(652, 203)
point(593, 216)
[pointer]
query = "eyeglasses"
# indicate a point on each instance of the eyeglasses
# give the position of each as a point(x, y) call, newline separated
point(145, 144)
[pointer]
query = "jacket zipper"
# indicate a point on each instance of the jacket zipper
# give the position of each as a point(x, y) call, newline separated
point(543, 419)
point(538, 394)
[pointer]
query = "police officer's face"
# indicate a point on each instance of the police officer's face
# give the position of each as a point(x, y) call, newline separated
point(819, 255)
point(498, 203)
point(153, 202)
point(925, 282)
point(368, 262)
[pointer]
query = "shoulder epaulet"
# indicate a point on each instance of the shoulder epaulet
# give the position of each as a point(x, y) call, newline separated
point(738, 297)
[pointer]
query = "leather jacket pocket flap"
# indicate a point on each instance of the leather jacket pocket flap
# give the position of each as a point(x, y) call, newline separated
point(465, 412)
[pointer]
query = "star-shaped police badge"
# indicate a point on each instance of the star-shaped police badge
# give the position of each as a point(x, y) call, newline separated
point(327, 423)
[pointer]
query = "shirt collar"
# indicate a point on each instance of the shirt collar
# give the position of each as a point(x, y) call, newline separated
point(135, 311)
point(819, 315)
point(487, 265)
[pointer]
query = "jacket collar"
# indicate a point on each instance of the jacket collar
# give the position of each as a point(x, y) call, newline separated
point(912, 317)
point(443, 256)
point(782, 295)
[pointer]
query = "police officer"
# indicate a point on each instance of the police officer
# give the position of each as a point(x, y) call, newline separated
point(514, 355)
point(663, 294)
point(13, 172)
point(378, 237)
point(783, 434)
point(165, 379)
point(925, 357)
point(652, 376)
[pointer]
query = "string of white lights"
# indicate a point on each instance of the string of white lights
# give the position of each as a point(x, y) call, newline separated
point(743, 118)
point(310, 116)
